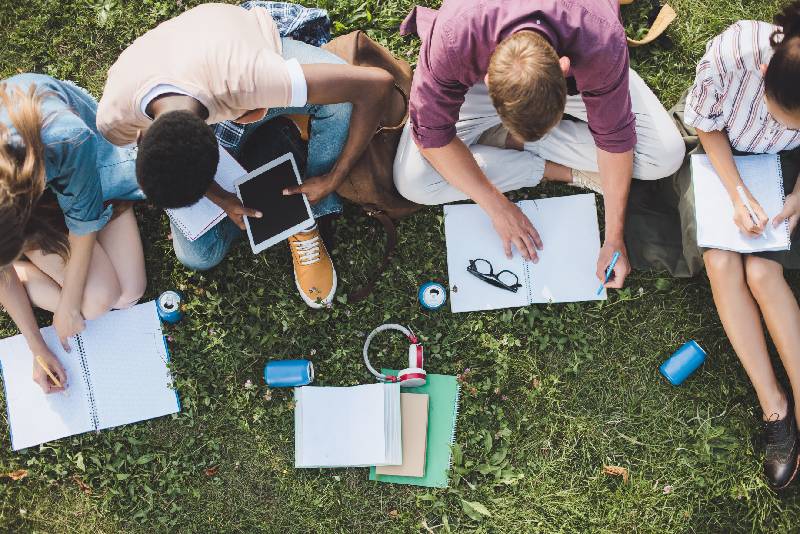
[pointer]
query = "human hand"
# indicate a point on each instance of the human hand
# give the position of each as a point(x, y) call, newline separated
point(316, 188)
point(621, 269)
point(743, 220)
point(40, 375)
point(791, 211)
point(67, 321)
point(514, 228)
point(234, 209)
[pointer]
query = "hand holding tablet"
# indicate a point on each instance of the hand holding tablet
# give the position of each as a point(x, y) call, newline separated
point(282, 215)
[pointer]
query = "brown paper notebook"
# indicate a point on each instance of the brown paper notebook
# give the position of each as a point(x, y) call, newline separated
point(414, 409)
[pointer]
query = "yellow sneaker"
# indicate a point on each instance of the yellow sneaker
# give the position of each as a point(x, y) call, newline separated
point(314, 274)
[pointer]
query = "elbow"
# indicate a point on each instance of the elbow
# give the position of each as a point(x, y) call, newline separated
point(383, 84)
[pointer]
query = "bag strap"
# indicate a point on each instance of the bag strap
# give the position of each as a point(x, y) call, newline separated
point(403, 122)
point(391, 243)
point(663, 18)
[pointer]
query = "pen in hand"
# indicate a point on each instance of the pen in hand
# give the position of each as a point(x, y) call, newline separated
point(610, 270)
point(749, 208)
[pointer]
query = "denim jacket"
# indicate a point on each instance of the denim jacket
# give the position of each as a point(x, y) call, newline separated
point(82, 168)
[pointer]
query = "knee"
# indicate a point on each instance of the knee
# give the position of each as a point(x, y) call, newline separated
point(131, 291)
point(195, 262)
point(667, 160)
point(721, 263)
point(100, 298)
point(413, 183)
point(762, 274)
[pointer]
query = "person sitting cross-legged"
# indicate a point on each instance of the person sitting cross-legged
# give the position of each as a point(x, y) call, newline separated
point(493, 85)
point(219, 62)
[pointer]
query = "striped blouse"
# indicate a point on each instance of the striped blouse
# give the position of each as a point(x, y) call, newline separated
point(728, 91)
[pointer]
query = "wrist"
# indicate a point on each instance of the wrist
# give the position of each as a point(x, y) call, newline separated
point(494, 203)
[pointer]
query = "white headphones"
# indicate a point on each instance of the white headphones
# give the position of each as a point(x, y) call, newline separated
point(411, 377)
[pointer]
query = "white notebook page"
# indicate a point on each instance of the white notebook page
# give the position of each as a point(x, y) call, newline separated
point(567, 263)
point(470, 235)
point(342, 426)
point(127, 360)
point(714, 209)
point(33, 416)
point(567, 267)
point(199, 218)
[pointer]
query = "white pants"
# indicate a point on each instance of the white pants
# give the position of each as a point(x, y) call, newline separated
point(659, 151)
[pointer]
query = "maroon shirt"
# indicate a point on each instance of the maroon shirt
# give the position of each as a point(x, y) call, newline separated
point(458, 41)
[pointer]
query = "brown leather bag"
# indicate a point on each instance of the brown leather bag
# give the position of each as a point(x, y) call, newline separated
point(371, 180)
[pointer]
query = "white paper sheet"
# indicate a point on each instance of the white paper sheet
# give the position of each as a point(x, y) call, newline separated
point(714, 209)
point(197, 219)
point(130, 379)
point(567, 264)
point(127, 375)
point(348, 426)
point(34, 417)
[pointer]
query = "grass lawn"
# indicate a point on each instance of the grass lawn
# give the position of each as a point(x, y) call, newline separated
point(552, 395)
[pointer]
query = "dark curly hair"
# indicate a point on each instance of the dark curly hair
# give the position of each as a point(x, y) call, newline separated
point(782, 79)
point(177, 160)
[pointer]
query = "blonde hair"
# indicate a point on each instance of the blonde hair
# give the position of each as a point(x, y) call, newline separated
point(25, 224)
point(526, 85)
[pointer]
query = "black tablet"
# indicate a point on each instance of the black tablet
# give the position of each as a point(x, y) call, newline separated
point(283, 216)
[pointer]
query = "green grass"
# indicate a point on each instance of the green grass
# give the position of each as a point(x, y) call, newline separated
point(552, 395)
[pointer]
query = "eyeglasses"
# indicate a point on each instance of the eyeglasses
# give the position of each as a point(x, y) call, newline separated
point(504, 279)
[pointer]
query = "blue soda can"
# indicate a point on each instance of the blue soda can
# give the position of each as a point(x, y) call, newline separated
point(288, 373)
point(169, 307)
point(683, 362)
point(432, 295)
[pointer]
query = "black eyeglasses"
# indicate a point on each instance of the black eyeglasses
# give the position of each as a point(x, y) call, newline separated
point(483, 269)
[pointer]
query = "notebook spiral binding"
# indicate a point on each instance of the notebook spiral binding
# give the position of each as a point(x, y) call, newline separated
point(783, 199)
point(179, 223)
point(528, 285)
point(453, 435)
point(87, 380)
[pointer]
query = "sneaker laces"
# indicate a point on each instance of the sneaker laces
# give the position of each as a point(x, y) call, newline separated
point(307, 250)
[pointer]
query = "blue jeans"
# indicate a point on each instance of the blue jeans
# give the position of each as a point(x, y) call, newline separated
point(329, 130)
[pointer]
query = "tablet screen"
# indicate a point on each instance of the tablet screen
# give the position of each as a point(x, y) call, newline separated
point(264, 193)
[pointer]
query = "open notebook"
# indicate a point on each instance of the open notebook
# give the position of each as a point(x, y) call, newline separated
point(354, 426)
point(567, 264)
point(116, 374)
point(714, 210)
point(197, 219)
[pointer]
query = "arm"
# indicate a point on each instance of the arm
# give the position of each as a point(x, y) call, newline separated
point(455, 163)
point(616, 171)
point(718, 149)
point(68, 319)
point(367, 88)
point(15, 300)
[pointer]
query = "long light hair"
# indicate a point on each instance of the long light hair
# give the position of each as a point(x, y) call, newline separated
point(29, 219)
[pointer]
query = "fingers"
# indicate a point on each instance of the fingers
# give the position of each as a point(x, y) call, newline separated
point(65, 343)
point(293, 190)
point(250, 212)
point(238, 220)
point(507, 248)
point(60, 373)
point(618, 278)
point(522, 245)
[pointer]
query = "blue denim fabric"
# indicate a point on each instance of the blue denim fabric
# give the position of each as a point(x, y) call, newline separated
point(82, 168)
point(329, 130)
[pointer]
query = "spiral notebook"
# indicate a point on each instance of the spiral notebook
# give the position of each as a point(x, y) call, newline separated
point(117, 374)
point(195, 220)
point(567, 264)
point(763, 177)
point(354, 426)
point(443, 393)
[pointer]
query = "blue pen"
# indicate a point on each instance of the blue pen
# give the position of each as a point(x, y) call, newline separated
point(610, 270)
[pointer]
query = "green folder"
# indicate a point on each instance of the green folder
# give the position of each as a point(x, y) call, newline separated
point(443, 391)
